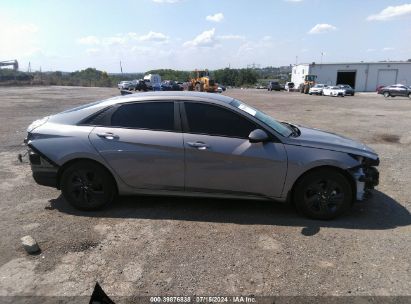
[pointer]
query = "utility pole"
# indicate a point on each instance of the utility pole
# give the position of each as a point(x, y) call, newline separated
point(322, 55)
point(121, 68)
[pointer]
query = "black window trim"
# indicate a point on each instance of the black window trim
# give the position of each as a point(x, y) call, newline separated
point(109, 111)
point(185, 125)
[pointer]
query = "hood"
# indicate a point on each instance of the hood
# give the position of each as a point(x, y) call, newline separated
point(324, 140)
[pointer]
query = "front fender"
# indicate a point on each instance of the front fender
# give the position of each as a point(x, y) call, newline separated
point(302, 159)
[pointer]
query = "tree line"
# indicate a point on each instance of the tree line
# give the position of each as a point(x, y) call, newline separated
point(93, 77)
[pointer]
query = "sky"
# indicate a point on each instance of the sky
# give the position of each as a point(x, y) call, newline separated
point(190, 34)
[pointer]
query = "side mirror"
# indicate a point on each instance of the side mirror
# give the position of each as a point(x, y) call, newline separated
point(258, 136)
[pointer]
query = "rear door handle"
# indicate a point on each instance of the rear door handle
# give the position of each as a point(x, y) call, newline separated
point(199, 145)
point(108, 135)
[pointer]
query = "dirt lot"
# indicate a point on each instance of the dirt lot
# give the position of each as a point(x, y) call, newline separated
point(170, 246)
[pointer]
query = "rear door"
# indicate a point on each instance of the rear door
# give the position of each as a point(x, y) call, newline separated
point(221, 159)
point(402, 90)
point(143, 144)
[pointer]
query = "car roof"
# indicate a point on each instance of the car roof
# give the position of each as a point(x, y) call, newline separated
point(167, 95)
point(73, 116)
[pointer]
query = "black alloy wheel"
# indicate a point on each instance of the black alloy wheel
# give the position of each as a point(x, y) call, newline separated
point(87, 186)
point(323, 194)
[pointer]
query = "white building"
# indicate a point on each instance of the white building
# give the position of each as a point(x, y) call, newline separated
point(363, 76)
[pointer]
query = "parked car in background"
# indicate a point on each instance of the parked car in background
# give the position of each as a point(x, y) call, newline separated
point(170, 85)
point(395, 90)
point(289, 86)
point(317, 89)
point(275, 86)
point(261, 87)
point(140, 85)
point(200, 145)
point(153, 81)
point(181, 85)
point(220, 88)
point(125, 85)
point(333, 91)
point(379, 88)
point(347, 88)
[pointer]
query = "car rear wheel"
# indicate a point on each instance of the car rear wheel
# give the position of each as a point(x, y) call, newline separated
point(323, 194)
point(386, 94)
point(87, 186)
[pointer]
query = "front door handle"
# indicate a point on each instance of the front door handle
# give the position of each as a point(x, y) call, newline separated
point(199, 145)
point(108, 135)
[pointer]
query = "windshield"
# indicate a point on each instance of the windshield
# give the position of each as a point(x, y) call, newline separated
point(264, 118)
point(310, 77)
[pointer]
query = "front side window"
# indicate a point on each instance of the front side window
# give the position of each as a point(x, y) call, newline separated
point(214, 120)
point(145, 115)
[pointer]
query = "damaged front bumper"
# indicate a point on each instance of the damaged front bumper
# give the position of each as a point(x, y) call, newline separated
point(366, 178)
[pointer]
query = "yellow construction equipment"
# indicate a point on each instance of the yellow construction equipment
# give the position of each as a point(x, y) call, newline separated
point(309, 82)
point(201, 82)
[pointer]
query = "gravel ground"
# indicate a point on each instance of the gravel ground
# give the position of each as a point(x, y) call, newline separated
point(173, 246)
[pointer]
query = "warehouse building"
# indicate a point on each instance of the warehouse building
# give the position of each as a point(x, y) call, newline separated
point(363, 76)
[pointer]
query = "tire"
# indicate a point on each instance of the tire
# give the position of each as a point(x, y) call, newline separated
point(409, 95)
point(323, 194)
point(386, 94)
point(198, 87)
point(352, 94)
point(87, 186)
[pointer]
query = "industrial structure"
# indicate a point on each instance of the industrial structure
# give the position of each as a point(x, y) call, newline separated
point(363, 76)
point(13, 63)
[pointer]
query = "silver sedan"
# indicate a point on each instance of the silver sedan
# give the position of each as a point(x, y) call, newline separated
point(200, 145)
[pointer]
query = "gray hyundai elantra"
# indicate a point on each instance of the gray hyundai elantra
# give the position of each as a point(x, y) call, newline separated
point(198, 145)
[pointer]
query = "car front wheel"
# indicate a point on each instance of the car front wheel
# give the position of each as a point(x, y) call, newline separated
point(386, 94)
point(323, 194)
point(87, 186)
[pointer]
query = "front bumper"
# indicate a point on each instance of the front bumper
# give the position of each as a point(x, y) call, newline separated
point(366, 178)
point(316, 92)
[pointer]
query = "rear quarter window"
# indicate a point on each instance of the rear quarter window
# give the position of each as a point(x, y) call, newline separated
point(145, 115)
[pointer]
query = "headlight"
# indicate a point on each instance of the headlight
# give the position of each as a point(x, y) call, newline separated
point(365, 161)
point(37, 123)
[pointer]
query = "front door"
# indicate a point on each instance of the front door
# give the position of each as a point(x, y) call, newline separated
point(221, 159)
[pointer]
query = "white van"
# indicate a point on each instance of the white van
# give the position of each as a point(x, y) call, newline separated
point(153, 81)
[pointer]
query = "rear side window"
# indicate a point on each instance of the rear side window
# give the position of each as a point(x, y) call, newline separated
point(214, 120)
point(148, 115)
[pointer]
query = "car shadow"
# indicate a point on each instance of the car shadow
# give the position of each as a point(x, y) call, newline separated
point(380, 212)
